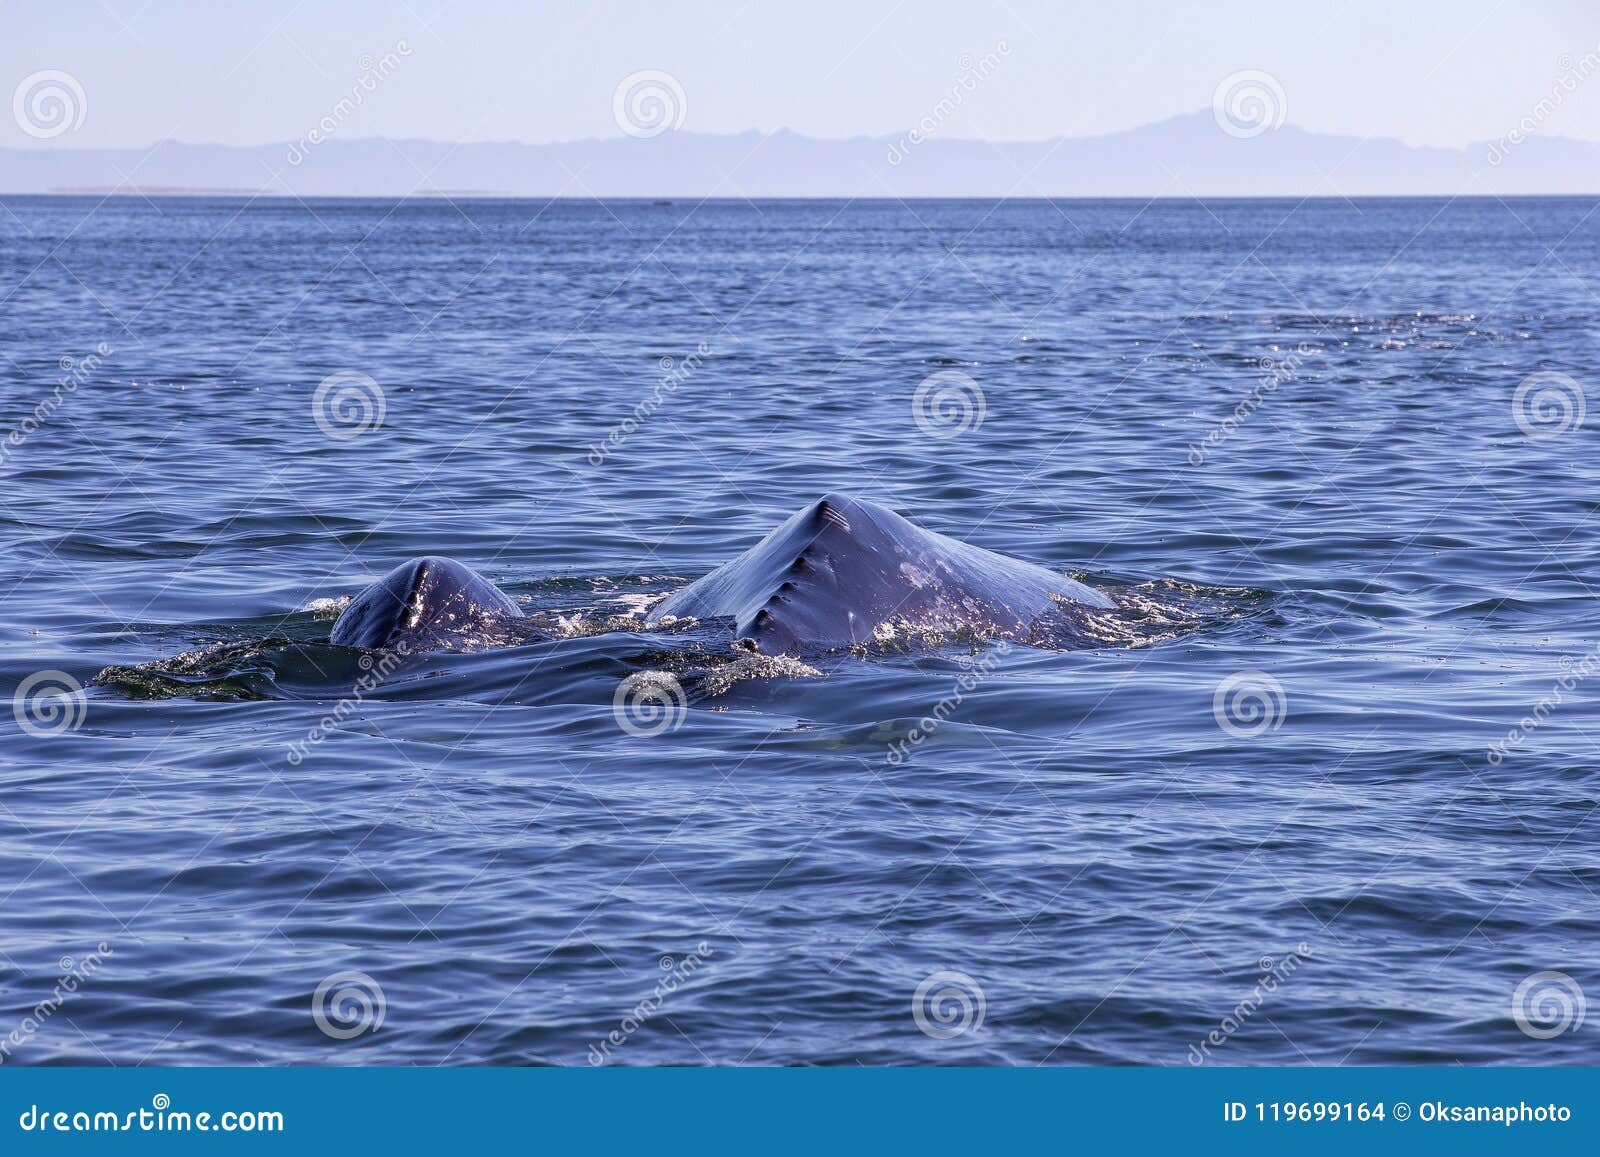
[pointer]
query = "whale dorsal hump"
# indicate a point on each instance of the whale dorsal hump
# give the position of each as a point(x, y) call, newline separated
point(843, 569)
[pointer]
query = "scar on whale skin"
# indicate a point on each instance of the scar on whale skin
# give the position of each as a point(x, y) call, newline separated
point(843, 568)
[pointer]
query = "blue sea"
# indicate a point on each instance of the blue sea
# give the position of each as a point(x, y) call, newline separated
point(1321, 790)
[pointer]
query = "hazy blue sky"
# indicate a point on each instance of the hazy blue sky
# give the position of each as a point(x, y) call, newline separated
point(1431, 72)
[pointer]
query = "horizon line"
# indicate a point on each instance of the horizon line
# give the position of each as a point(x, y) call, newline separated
point(172, 194)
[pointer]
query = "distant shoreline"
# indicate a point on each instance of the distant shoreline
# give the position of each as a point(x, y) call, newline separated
point(259, 194)
point(1194, 157)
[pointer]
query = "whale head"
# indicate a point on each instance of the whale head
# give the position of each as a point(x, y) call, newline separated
point(421, 603)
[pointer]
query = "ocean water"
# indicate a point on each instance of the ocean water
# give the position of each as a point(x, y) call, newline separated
point(1322, 790)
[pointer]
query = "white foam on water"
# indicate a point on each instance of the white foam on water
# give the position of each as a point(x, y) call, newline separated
point(635, 602)
point(328, 608)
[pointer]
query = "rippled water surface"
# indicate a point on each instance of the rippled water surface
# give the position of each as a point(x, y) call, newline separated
point(1350, 559)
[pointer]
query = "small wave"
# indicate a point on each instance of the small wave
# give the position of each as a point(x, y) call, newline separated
point(636, 603)
point(718, 679)
point(1145, 614)
point(581, 625)
point(326, 608)
point(225, 671)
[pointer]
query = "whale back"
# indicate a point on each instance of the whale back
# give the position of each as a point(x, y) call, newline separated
point(842, 570)
point(422, 603)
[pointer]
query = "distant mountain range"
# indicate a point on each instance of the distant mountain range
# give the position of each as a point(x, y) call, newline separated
point(1184, 156)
